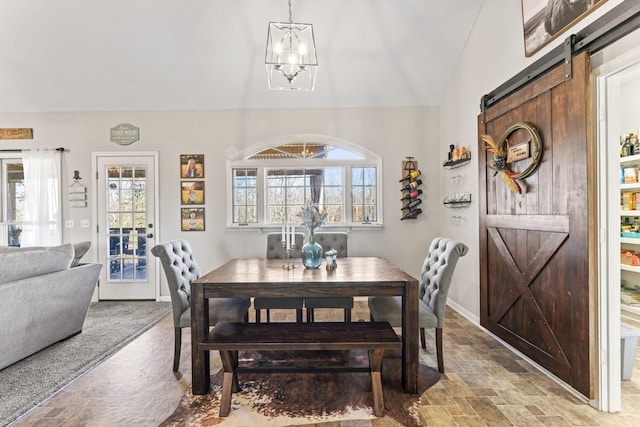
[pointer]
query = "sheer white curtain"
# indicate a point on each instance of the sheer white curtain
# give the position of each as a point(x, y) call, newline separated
point(42, 220)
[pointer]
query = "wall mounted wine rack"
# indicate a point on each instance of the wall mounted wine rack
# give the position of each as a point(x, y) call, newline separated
point(410, 182)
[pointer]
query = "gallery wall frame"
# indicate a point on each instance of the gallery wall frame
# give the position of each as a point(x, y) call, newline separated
point(191, 165)
point(545, 20)
point(192, 192)
point(192, 219)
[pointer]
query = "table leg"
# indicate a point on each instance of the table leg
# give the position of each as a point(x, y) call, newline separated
point(410, 334)
point(200, 368)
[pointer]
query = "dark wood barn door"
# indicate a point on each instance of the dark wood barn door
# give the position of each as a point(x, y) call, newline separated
point(537, 249)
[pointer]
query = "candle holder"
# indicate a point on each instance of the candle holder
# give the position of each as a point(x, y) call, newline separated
point(287, 262)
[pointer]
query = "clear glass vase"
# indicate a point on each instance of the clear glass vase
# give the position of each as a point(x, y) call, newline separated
point(311, 253)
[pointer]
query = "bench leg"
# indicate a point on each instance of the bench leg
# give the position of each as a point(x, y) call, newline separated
point(375, 365)
point(229, 381)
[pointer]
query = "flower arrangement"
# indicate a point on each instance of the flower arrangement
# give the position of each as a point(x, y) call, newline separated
point(312, 218)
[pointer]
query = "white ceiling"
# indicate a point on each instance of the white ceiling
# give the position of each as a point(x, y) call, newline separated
point(83, 55)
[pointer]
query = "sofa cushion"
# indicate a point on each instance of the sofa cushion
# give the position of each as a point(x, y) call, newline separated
point(80, 249)
point(16, 264)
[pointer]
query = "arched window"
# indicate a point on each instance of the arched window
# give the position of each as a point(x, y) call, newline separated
point(272, 181)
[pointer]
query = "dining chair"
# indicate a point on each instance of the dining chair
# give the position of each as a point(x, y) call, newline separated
point(434, 283)
point(181, 269)
point(274, 251)
point(328, 241)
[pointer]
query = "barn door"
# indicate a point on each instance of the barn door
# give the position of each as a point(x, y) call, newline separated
point(536, 278)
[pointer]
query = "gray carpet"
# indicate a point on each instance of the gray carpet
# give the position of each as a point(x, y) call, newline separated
point(109, 326)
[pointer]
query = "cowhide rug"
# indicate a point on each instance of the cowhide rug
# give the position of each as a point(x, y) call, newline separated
point(284, 399)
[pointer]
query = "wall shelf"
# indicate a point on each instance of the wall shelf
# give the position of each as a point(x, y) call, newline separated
point(629, 274)
point(454, 164)
point(457, 200)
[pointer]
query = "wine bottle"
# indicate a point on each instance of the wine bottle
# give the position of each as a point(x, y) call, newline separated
point(412, 185)
point(411, 214)
point(413, 175)
point(412, 204)
point(412, 195)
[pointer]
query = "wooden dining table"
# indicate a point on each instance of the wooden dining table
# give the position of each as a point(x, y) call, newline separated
point(261, 277)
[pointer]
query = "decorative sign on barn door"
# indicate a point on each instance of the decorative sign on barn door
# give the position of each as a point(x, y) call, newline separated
point(536, 278)
point(505, 153)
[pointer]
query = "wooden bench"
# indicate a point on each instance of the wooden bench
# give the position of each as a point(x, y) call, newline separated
point(229, 338)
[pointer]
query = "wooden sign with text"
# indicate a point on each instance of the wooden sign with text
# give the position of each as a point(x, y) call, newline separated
point(16, 133)
point(518, 152)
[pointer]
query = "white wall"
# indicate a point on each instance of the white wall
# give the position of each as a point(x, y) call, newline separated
point(494, 53)
point(392, 133)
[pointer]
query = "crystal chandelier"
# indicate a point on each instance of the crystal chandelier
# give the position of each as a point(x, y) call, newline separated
point(291, 56)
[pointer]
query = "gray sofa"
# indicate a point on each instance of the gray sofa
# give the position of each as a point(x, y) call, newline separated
point(44, 297)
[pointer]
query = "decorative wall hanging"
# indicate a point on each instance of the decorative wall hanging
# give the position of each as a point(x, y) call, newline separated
point(191, 165)
point(77, 192)
point(544, 20)
point(125, 134)
point(192, 219)
point(192, 192)
point(503, 154)
point(16, 133)
point(410, 182)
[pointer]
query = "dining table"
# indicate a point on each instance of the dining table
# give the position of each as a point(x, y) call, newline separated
point(261, 277)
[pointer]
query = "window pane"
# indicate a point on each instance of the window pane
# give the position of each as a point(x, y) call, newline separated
point(305, 150)
point(293, 187)
point(357, 176)
point(245, 203)
point(13, 200)
point(333, 195)
point(302, 175)
point(364, 194)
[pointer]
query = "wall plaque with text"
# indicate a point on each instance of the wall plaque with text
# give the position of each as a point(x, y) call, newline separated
point(16, 133)
point(125, 134)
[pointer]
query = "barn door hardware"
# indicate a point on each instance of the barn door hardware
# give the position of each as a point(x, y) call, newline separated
point(613, 25)
point(569, 42)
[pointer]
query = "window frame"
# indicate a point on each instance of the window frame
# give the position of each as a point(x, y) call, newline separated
point(241, 161)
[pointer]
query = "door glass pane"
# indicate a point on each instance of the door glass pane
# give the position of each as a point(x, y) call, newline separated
point(14, 203)
point(127, 217)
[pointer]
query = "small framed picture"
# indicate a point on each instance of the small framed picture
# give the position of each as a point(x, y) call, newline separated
point(192, 219)
point(191, 165)
point(192, 192)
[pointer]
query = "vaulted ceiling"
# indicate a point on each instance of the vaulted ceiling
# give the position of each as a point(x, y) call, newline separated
point(132, 55)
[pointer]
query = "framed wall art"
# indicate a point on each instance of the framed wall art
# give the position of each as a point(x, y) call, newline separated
point(545, 20)
point(191, 165)
point(192, 219)
point(192, 192)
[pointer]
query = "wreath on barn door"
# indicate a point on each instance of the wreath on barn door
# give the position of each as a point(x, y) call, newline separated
point(500, 149)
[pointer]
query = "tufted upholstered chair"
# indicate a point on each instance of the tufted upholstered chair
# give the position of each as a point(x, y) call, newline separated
point(328, 241)
point(274, 250)
point(435, 280)
point(181, 269)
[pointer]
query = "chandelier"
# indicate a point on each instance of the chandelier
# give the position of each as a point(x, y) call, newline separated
point(291, 56)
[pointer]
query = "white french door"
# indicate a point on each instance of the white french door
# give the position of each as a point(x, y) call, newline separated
point(126, 216)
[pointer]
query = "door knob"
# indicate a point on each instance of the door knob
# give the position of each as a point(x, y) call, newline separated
point(150, 235)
